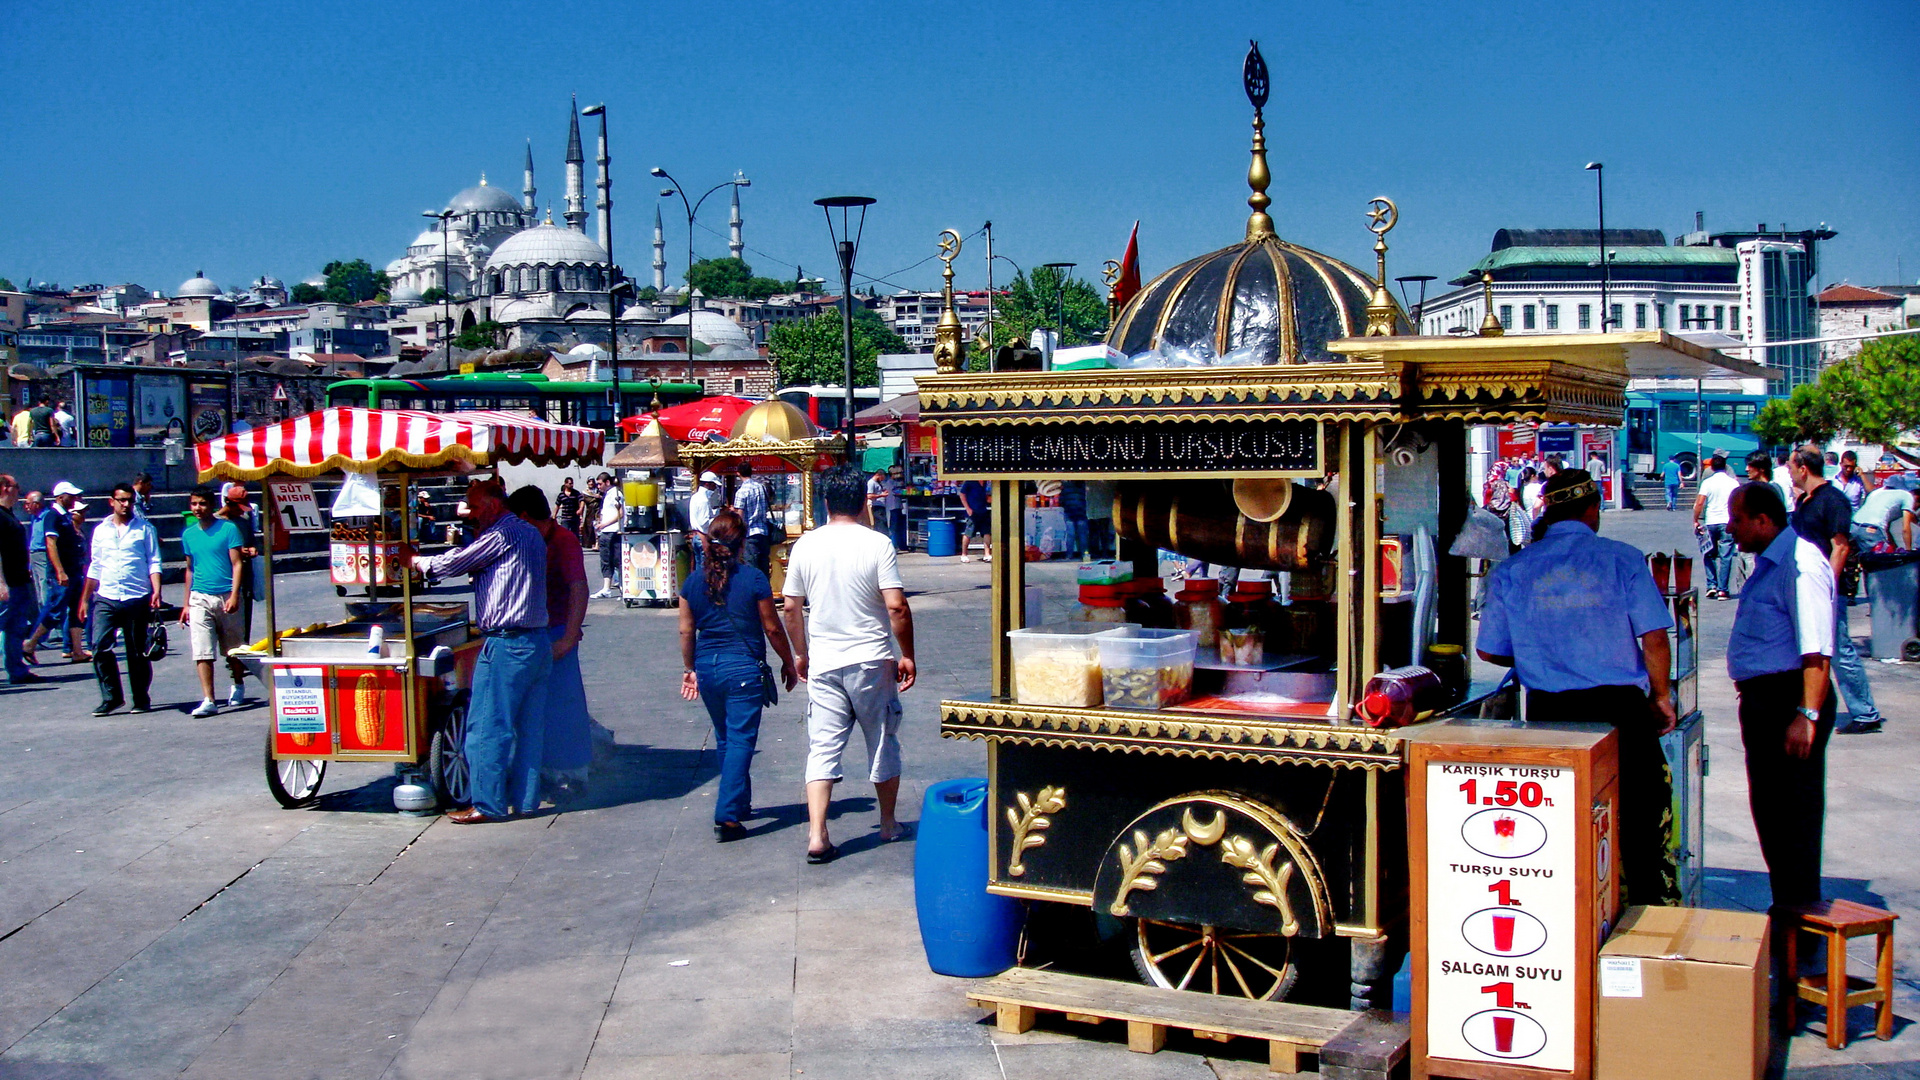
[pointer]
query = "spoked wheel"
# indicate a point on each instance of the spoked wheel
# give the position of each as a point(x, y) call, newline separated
point(1214, 960)
point(446, 757)
point(295, 782)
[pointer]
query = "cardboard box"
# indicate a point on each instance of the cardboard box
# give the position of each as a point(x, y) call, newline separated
point(1683, 994)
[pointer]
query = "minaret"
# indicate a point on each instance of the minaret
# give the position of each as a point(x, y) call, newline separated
point(576, 213)
point(735, 246)
point(605, 187)
point(527, 192)
point(659, 253)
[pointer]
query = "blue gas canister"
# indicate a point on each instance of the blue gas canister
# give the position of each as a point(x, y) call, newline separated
point(967, 932)
point(943, 537)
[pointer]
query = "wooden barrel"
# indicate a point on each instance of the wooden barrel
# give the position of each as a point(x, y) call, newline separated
point(1198, 519)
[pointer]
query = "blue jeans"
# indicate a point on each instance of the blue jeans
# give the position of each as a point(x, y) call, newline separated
point(56, 612)
point(569, 744)
point(506, 721)
point(1848, 672)
point(1082, 537)
point(1718, 555)
point(22, 609)
point(732, 691)
point(1673, 495)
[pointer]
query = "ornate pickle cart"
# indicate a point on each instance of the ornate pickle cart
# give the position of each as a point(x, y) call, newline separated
point(1249, 847)
point(336, 694)
point(780, 441)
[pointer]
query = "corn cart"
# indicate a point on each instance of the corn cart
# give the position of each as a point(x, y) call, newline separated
point(781, 443)
point(1238, 823)
point(388, 683)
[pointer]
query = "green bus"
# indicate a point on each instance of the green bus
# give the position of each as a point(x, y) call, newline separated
point(587, 404)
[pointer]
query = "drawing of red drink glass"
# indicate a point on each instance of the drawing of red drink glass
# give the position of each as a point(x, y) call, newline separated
point(1502, 1032)
point(1503, 933)
point(1504, 827)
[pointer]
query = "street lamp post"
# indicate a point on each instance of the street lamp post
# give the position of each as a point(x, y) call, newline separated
point(613, 342)
point(991, 257)
point(615, 286)
point(1417, 306)
point(846, 244)
point(1060, 301)
point(692, 209)
point(446, 285)
point(1599, 170)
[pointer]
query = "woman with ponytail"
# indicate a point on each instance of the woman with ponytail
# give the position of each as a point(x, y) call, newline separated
point(726, 622)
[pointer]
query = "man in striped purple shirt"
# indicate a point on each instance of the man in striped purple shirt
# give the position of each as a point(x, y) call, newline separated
point(506, 717)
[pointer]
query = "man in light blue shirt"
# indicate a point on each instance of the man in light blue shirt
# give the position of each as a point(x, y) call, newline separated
point(1584, 627)
point(1778, 657)
point(750, 499)
point(125, 574)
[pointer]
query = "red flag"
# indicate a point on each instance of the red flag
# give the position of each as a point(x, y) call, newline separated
point(1128, 283)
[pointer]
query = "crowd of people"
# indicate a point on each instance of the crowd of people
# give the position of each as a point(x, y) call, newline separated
point(1790, 654)
point(44, 423)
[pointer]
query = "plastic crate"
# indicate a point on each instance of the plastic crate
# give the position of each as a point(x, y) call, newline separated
point(1058, 664)
point(1144, 668)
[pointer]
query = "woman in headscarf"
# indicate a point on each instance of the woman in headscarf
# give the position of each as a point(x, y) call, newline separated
point(726, 623)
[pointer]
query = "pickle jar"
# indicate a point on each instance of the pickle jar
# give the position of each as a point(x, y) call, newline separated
point(1102, 603)
point(1147, 603)
point(1197, 607)
point(1251, 606)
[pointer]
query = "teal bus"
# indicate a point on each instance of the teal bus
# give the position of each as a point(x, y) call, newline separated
point(584, 403)
point(1664, 424)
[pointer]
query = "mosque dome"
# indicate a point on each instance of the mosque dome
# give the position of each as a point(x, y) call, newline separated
point(1261, 301)
point(428, 240)
point(640, 313)
point(196, 286)
point(482, 198)
point(404, 294)
point(713, 328)
point(587, 315)
point(547, 245)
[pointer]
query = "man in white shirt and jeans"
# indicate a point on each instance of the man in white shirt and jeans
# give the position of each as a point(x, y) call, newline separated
point(1710, 521)
point(125, 574)
point(856, 652)
point(606, 527)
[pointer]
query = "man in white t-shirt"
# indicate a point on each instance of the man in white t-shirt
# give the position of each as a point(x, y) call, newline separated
point(606, 528)
point(856, 652)
point(1710, 516)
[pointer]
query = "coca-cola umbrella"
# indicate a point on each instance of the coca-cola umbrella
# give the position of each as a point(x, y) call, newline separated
point(709, 419)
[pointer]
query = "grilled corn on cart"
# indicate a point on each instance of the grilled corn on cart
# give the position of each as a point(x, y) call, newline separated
point(1278, 416)
point(388, 682)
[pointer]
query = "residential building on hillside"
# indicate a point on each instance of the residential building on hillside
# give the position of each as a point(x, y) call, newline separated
point(913, 315)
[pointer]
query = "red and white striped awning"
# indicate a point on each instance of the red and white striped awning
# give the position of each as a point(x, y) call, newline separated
point(367, 440)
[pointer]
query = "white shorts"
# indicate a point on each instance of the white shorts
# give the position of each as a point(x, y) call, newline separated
point(836, 700)
point(212, 628)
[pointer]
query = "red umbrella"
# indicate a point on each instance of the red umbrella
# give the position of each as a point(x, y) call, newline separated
point(707, 420)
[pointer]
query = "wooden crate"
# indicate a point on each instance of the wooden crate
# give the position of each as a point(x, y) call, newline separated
point(1019, 995)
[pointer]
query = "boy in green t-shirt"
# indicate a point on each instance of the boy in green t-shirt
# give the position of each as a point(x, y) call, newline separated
point(212, 611)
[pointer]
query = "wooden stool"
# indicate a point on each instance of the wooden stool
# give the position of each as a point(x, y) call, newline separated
point(1838, 920)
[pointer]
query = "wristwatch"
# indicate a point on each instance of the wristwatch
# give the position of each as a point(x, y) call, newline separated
point(1811, 714)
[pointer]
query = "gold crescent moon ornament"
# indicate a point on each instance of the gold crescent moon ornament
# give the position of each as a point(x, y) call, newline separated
point(1382, 216)
point(949, 247)
point(1205, 835)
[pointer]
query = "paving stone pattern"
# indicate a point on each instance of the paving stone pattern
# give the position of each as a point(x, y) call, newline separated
point(161, 917)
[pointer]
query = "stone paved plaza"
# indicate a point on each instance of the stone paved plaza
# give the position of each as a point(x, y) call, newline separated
point(160, 916)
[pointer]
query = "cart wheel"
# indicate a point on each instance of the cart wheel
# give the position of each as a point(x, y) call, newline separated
point(447, 760)
point(1214, 960)
point(632, 603)
point(295, 782)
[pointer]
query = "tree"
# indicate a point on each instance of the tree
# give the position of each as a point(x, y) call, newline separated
point(304, 293)
point(811, 351)
point(734, 279)
point(1036, 301)
point(1876, 393)
point(6, 285)
point(1874, 396)
point(435, 295)
point(485, 334)
point(349, 283)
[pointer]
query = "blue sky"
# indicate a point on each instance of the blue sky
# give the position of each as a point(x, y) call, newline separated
point(144, 143)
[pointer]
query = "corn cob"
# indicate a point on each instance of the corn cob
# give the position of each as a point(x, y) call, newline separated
point(368, 724)
point(302, 738)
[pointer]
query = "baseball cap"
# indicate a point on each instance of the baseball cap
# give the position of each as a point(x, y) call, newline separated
point(65, 488)
point(709, 477)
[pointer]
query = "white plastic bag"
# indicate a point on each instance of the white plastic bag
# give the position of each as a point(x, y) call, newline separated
point(1483, 536)
point(359, 496)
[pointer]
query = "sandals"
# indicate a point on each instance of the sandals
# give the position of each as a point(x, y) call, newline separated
point(822, 857)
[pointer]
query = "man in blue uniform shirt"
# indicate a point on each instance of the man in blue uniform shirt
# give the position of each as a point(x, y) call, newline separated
point(1584, 627)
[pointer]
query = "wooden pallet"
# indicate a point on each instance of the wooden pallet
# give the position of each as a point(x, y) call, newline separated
point(1019, 995)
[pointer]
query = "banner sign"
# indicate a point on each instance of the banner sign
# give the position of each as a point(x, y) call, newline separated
point(1121, 449)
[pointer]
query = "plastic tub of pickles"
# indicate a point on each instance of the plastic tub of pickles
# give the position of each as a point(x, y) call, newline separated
point(1058, 664)
point(1144, 668)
